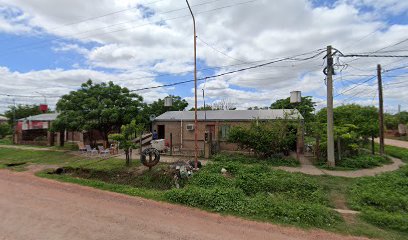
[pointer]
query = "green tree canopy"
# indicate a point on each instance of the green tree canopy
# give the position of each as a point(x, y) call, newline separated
point(104, 107)
point(157, 107)
point(306, 107)
point(21, 111)
point(125, 138)
point(365, 118)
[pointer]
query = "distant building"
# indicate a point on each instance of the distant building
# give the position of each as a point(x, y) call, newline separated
point(35, 130)
point(3, 119)
point(180, 124)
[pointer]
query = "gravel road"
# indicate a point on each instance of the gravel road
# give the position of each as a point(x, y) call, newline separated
point(35, 208)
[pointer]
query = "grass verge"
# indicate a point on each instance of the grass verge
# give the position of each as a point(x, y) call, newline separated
point(383, 199)
point(244, 159)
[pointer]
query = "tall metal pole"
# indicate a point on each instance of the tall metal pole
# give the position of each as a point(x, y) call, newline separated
point(330, 125)
point(381, 109)
point(195, 91)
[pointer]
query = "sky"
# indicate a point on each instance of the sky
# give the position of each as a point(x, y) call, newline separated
point(48, 48)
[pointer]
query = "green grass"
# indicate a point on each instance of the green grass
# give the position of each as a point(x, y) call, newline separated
point(15, 156)
point(119, 188)
point(401, 153)
point(272, 161)
point(383, 199)
point(363, 161)
point(250, 189)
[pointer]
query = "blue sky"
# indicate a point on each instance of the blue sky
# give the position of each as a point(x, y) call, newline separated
point(50, 49)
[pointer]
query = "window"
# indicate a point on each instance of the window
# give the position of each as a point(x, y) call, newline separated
point(224, 130)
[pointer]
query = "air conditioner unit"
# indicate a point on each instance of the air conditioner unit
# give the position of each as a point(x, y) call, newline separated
point(190, 127)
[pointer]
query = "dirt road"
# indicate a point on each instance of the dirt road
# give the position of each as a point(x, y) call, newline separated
point(35, 208)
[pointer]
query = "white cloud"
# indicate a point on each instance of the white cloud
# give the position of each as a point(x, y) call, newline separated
point(260, 30)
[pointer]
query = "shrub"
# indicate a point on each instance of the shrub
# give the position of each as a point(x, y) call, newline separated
point(265, 138)
point(5, 129)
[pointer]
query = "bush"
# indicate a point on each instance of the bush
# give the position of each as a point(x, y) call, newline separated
point(265, 138)
point(5, 129)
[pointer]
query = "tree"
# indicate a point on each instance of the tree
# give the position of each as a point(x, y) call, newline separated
point(104, 107)
point(157, 107)
point(359, 122)
point(21, 111)
point(224, 104)
point(125, 138)
point(306, 107)
point(5, 129)
point(202, 108)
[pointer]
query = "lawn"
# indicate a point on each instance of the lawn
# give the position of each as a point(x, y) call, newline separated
point(362, 161)
point(250, 189)
point(383, 199)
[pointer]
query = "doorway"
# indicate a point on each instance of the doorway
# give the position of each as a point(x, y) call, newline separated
point(161, 131)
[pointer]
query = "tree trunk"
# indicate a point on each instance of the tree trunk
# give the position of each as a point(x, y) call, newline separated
point(339, 147)
point(62, 138)
point(317, 148)
point(372, 145)
point(127, 157)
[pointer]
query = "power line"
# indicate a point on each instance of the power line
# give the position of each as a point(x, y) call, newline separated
point(373, 56)
point(234, 71)
point(357, 85)
point(292, 58)
point(215, 49)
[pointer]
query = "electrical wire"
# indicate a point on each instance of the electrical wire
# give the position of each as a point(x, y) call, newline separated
point(231, 72)
point(215, 49)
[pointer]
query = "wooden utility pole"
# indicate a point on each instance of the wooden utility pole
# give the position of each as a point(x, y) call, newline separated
point(330, 125)
point(381, 109)
point(195, 92)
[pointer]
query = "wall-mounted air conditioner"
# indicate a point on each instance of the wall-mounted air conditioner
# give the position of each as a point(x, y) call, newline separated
point(190, 127)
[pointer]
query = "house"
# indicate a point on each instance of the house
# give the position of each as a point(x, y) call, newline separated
point(177, 127)
point(3, 119)
point(35, 130)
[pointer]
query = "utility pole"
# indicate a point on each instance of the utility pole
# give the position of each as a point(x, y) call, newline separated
point(381, 109)
point(195, 92)
point(330, 125)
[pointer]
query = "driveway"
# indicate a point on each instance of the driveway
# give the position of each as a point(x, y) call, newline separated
point(35, 208)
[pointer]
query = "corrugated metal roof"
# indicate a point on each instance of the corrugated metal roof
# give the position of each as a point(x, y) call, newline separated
point(231, 115)
point(41, 117)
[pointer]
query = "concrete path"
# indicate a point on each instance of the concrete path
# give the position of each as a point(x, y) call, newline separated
point(393, 142)
point(308, 168)
point(36, 208)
